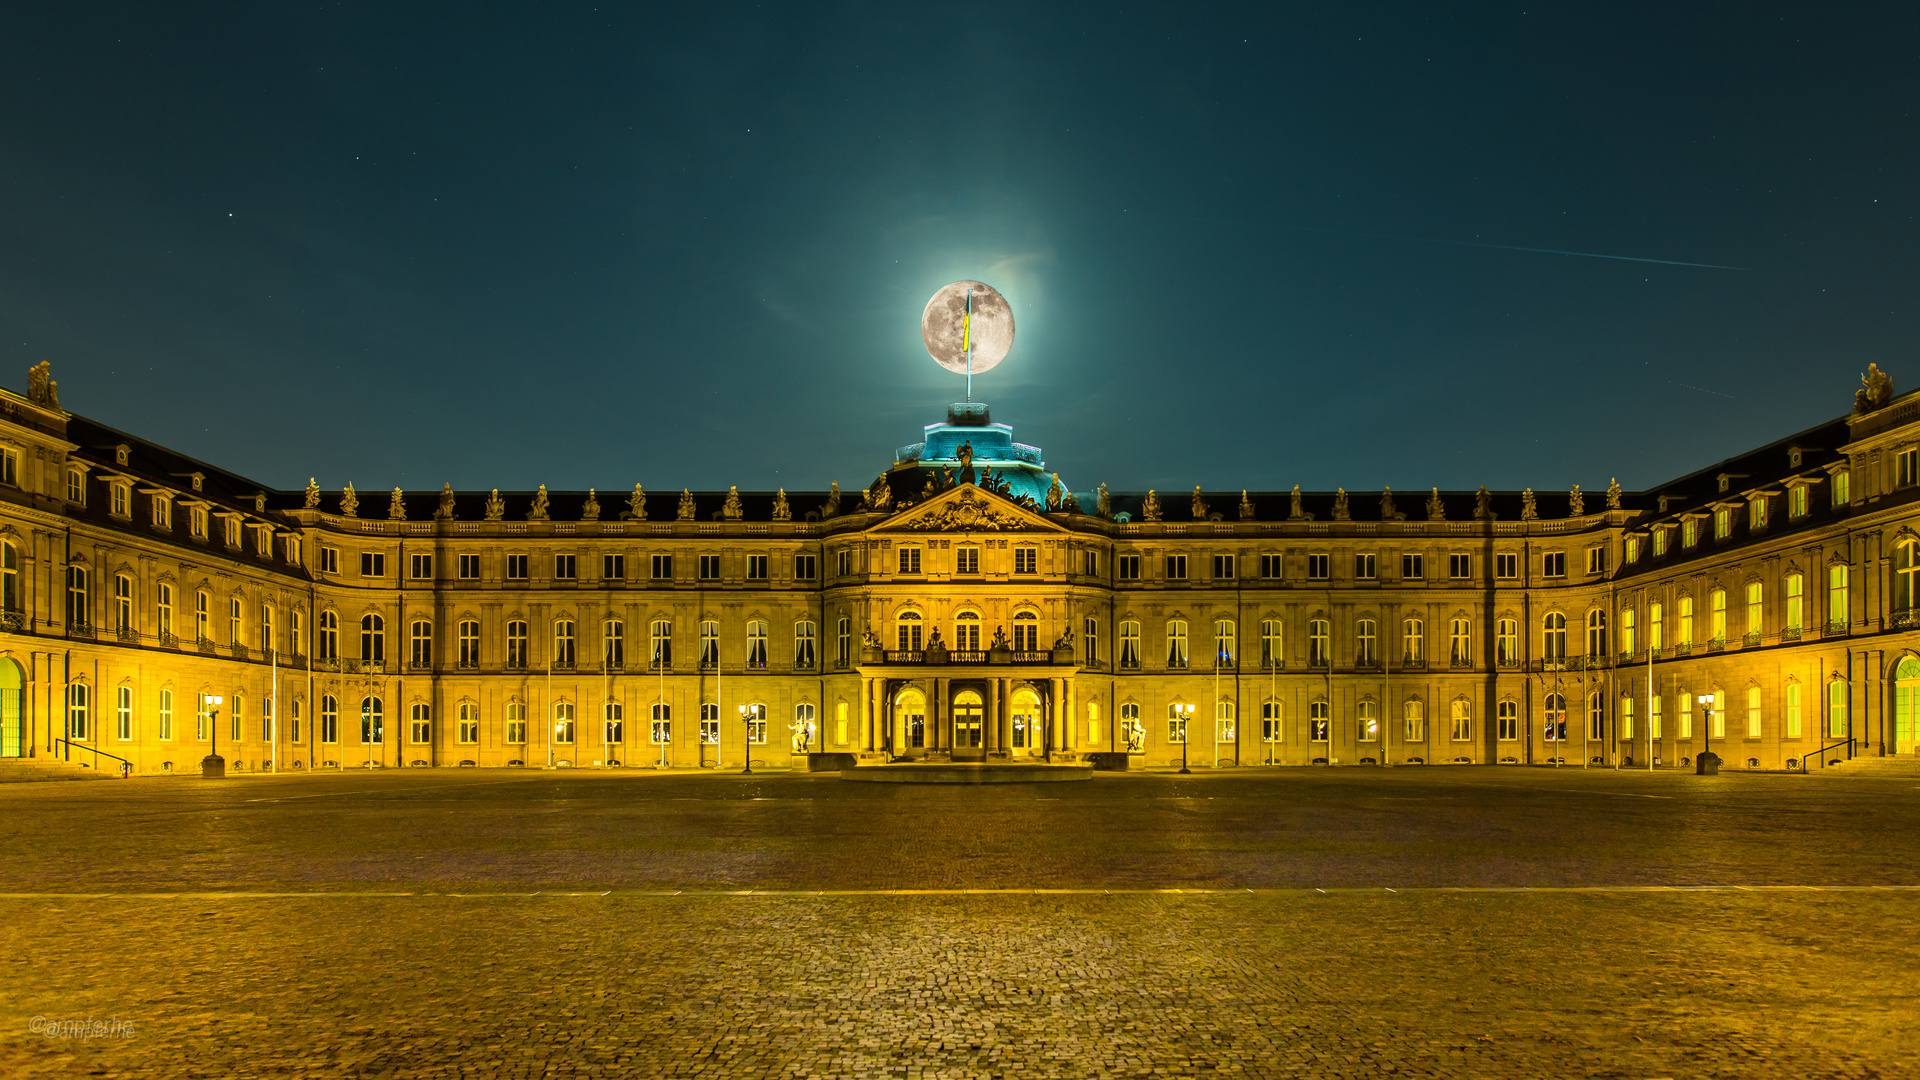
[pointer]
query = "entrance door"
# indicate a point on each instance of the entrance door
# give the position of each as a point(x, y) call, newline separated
point(1906, 704)
point(969, 716)
point(11, 737)
point(1028, 737)
point(910, 724)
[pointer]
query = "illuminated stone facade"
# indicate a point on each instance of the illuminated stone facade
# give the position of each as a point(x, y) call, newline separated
point(963, 608)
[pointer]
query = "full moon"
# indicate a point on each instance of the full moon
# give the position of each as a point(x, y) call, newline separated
point(992, 326)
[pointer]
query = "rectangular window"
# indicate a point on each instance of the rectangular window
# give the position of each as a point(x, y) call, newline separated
point(613, 567)
point(1757, 514)
point(1837, 709)
point(469, 644)
point(1026, 560)
point(1722, 523)
point(1509, 719)
point(843, 562)
point(1654, 719)
point(516, 645)
point(843, 641)
point(1127, 568)
point(663, 568)
point(1659, 540)
point(1270, 566)
point(516, 723)
point(373, 564)
point(1797, 501)
point(1596, 560)
point(1365, 567)
point(517, 568)
point(1906, 471)
point(1553, 564)
point(10, 472)
point(469, 732)
point(662, 724)
point(423, 568)
point(1796, 604)
point(1459, 567)
point(909, 560)
point(166, 715)
point(756, 568)
point(329, 560)
point(564, 568)
point(76, 487)
point(1690, 532)
point(660, 635)
point(709, 568)
point(1090, 638)
point(1091, 562)
point(804, 568)
point(1176, 568)
point(1842, 488)
point(966, 560)
point(469, 567)
point(1413, 567)
point(123, 713)
point(1839, 611)
point(563, 723)
point(1507, 642)
point(1753, 712)
point(1793, 710)
point(120, 500)
point(1633, 549)
point(162, 512)
point(1319, 567)
point(1223, 567)
point(1506, 565)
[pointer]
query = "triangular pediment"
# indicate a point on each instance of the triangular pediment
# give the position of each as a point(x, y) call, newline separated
point(967, 508)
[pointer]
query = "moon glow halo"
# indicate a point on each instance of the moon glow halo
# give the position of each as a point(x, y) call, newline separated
point(946, 326)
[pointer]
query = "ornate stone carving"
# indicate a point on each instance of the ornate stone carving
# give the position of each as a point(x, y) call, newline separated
point(781, 511)
point(965, 454)
point(1529, 510)
point(966, 512)
point(1576, 502)
point(1199, 505)
point(877, 497)
point(1341, 512)
point(541, 509)
point(637, 505)
point(397, 506)
point(590, 510)
point(1876, 389)
point(999, 639)
point(1482, 505)
point(1150, 507)
point(349, 502)
point(1065, 640)
point(832, 505)
point(1387, 510)
point(685, 512)
point(496, 506)
point(444, 512)
point(1055, 494)
point(731, 510)
point(1246, 506)
point(1436, 510)
point(313, 494)
point(1613, 494)
point(41, 389)
point(1103, 505)
point(870, 640)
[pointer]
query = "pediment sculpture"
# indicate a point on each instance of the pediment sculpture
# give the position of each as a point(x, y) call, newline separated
point(967, 512)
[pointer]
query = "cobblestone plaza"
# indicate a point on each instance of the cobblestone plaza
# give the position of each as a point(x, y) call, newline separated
point(1363, 922)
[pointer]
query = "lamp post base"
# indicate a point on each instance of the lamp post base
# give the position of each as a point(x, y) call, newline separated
point(213, 767)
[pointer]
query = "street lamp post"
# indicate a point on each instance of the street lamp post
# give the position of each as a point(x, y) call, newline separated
point(1185, 712)
point(213, 766)
point(1700, 766)
point(746, 723)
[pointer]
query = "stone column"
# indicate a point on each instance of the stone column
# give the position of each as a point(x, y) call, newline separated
point(991, 740)
point(866, 710)
point(1057, 736)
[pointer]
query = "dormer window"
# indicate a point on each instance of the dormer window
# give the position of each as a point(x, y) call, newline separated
point(77, 487)
point(1793, 457)
point(122, 498)
point(9, 466)
point(1757, 514)
point(1659, 541)
point(200, 478)
point(197, 523)
point(162, 511)
point(232, 531)
point(1723, 478)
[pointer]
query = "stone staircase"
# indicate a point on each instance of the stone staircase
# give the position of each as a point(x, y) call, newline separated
point(1903, 765)
point(27, 770)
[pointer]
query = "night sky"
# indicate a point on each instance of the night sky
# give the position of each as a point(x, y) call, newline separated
point(504, 245)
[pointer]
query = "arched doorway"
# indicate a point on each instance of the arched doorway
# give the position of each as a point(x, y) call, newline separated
point(1025, 733)
point(969, 725)
point(910, 723)
point(1906, 703)
point(13, 738)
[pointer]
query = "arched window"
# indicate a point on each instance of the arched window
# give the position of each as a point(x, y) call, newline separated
point(1026, 632)
point(1272, 643)
point(329, 719)
point(563, 723)
point(1319, 722)
point(613, 645)
point(563, 644)
point(1556, 717)
point(202, 618)
point(266, 628)
point(1270, 728)
point(163, 612)
point(1415, 714)
point(803, 644)
point(517, 637)
point(803, 726)
point(469, 720)
point(1656, 615)
point(1596, 634)
point(1627, 629)
point(469, 643)
point(1129, 645)
point(1133, 734)
point(1224, 634)
point(908, 628)
point(422, 724)
point(1839, 611)
point(1506, 642)
point(79, 599)
point(123, 607)
point(709, 643)
point(1366, 720)
point(1366, 643)
point(1596, 716)
point(233, 621)
point(10, 595)
point(329, 645)
point(1717, 618)
point(1684, 639)
point(1554, 645)
point(1755, 608)
point(1796, 589)
point(756, 643)
point(1413, 642)
point(1176, 725)
point(1906, 576)
point(1319, 643)
point(1224, 728)
point(422, 641)
point(614, 723)
point(1176, 643)
point(1509, 714)
point(373, 640)
point(1460, 643)
point(966, 631)
point(662, 643)
point(1462, 711)
point(1024, 723)
point(372, 721)
point(79, 702)
point(516, 722)
point(662, 723)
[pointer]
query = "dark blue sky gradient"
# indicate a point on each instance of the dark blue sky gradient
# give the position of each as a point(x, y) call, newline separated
point(505, 245)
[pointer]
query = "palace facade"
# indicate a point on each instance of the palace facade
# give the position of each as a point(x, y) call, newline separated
point(964, 606)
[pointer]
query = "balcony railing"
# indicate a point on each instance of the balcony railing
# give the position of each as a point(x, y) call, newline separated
point(967, 656)
point(127, 634)
point(906, 656)
point(1791, 633)
point(1459, 662)
point(657, 664)
point(1685, 648)
point(562, 665)
point(364, 667)
point(1413, 663)
point(79, 630)
point(239, 651)
point(13, 622)
point(1904, 620)
point(205, 645)
point(611, 664)
point(1839, 627)
point(1129, 664)
point(468, 665)
point(1751, 639)
point(803, 663)
point(1031, 657)
point(1176, 663)
point(167, 640)
point(1716, 644)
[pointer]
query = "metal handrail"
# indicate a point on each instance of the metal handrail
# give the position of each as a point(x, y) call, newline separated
point(126, 767)
point(1846, 742)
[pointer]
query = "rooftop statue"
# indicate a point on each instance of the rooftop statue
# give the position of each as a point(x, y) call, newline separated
point(313, 494)
point(397, 507)
point(1199, 505)
point(637, 505)
point(539, 510)
point(1613, 494)
point(877, 497)
point(1876, 389)
point(349, 502)
point(965, 454)
point(1055, 493)
point(496, 506)
point(1576, 503)
point(445, 510)
point(41, 389)
point(1529, 511)
point(781, 511)
point(1340, 509)
point(1246, 506)
point(832, 505)
point(1436, 510)
point(731, 510)
point(1482, 505)
point(590, 510)
point(686, 505)
point(1387, 510)
point(1104, 507)
point(1150, 507)
point(1296, 507)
